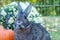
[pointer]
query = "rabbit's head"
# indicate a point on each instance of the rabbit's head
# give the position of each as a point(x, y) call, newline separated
point(21, 18)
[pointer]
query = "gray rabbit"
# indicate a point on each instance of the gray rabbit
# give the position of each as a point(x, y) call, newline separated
point(26, 30)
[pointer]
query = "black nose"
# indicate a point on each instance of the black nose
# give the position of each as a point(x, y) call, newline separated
point(21, 28)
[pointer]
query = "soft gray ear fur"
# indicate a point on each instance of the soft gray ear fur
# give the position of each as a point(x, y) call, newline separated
point(27, 10)
point(19, 8)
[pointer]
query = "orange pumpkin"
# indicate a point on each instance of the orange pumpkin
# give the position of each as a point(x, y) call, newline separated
point(6, 34)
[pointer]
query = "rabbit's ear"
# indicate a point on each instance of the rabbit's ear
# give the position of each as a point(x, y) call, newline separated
point(19, 8)
point(27, 10)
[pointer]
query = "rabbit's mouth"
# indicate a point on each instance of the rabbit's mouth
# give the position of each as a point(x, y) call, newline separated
point(25, 30)
point(24, 27)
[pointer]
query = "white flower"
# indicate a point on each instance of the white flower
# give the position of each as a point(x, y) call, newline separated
point(3, 13)
point(13, 3)
point(15, 13)
point(11, 20)
point(34, 14)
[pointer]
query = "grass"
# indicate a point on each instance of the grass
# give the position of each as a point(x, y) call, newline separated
point(52, 24)
point(55, 35)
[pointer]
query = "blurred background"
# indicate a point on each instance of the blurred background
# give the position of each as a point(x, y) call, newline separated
point(48, 9)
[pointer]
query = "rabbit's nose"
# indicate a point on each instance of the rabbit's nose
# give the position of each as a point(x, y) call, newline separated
point(22, 27)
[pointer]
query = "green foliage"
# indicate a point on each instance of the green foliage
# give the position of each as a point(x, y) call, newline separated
point(52, 24)
point(12, 9)
point(44, 10)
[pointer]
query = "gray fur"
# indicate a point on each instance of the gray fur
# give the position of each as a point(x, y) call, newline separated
point(25, 30)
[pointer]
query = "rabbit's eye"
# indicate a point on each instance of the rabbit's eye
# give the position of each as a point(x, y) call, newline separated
point(19, 22)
